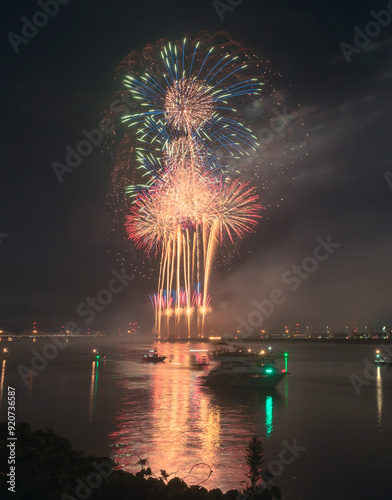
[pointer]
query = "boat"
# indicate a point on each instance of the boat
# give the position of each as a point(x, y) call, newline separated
point(380, 360)
point(153, 357)
point(272, 355)
point(94, 355)
point(241, 373)
point(5, 355)
point(268, 356)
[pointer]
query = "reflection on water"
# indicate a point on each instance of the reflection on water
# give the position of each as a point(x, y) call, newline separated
point(168, 416)
point(2, 380)
point(379, 397)
point(269, 406)
point(93, 389)
point(126, 409)
point(285, 388)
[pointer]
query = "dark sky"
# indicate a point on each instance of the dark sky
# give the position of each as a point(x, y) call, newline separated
point(57, 251)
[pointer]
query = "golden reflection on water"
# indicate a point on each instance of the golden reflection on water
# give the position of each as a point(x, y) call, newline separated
point(169, 417)
point(211, 436)
point(93, 389)
point(379, 397)
point(2, 380)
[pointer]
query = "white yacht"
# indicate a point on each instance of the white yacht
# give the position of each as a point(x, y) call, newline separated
point(241, 373)
point(235, 352)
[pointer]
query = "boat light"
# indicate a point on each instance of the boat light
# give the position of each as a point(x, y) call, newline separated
point(269, 370)
point(262, 352)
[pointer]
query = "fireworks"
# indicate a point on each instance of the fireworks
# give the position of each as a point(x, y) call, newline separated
point(187, 200)
point(193, 94)
point(185, 207)
point(189, 105)
point(182, 199)
point(183, 216)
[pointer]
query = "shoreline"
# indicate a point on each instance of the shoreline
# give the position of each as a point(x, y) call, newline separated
point(342, 340)
point(148, 338)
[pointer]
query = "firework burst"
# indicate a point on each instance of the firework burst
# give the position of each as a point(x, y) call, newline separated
point(183, 217)
point(189, 104)
point(182, 199)
point(183, 207)
point(194, 94)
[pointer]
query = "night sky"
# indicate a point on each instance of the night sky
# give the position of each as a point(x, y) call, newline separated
point(59, 247)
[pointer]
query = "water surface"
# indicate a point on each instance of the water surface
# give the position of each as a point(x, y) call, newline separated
point(125, 409)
